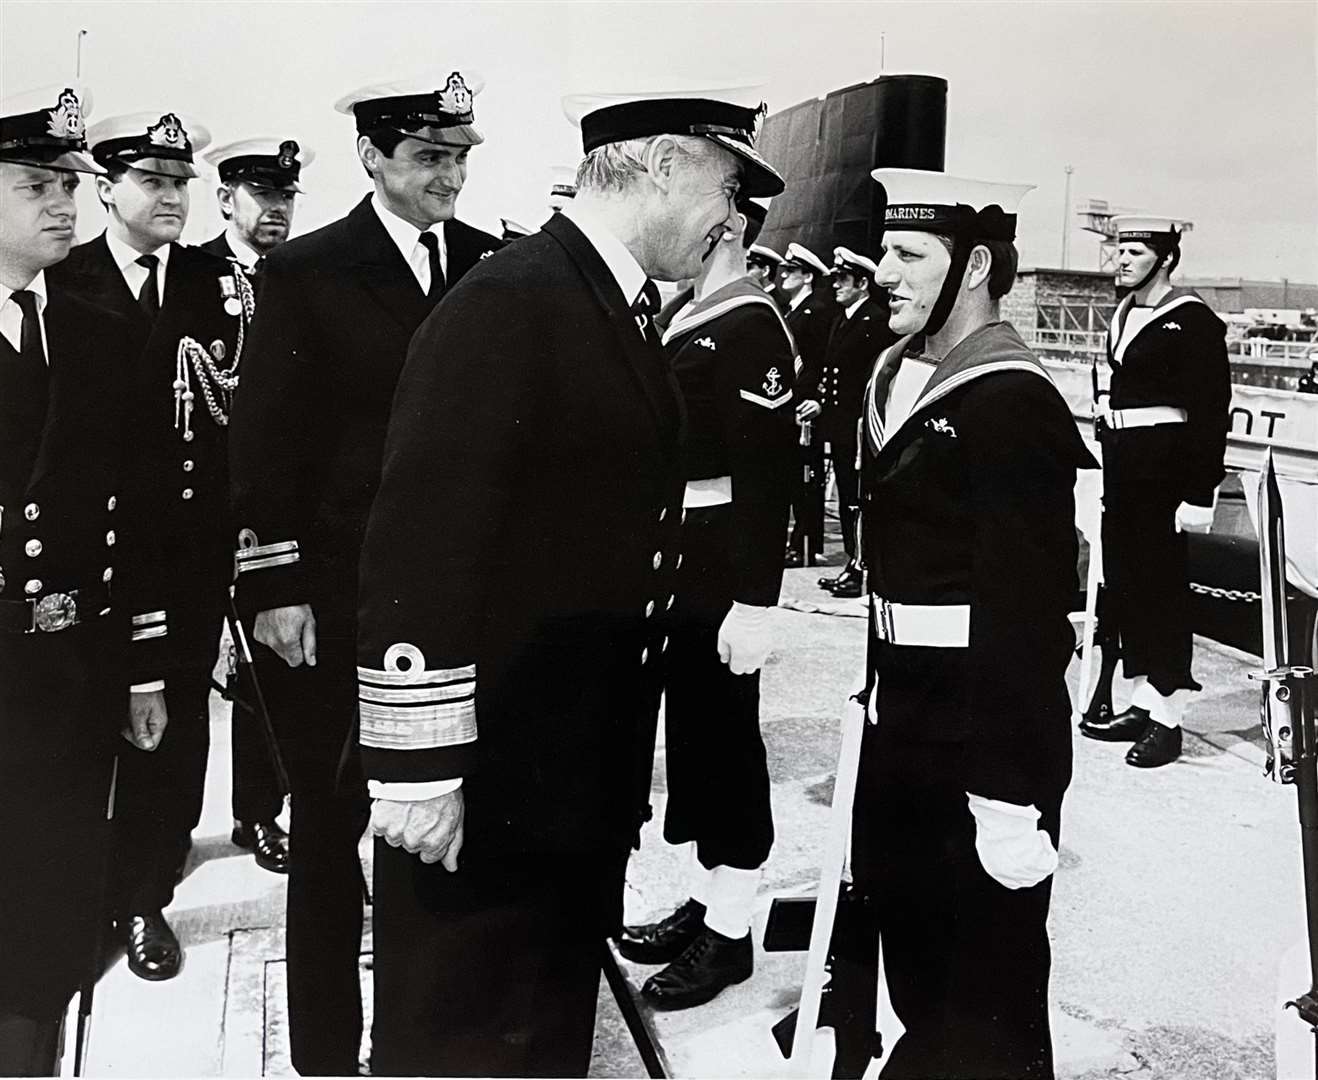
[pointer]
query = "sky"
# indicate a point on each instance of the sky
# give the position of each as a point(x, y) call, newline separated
point(1204, 110)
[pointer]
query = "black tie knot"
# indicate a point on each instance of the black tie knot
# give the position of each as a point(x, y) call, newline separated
point(149, 298)
point(26, 301)
point(148, 262)
point(430, 242)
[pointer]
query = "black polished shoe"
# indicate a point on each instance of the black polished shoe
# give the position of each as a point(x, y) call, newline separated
point(1159, 746)
point(1128, 726)
point(709, 964)
point(154, 953)
point(851, 584)
point(663, 941)
point(266, 840)
point(793, 559)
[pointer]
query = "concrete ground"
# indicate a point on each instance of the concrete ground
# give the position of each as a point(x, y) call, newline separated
point(1178, 891)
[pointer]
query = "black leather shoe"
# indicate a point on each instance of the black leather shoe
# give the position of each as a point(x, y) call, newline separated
point(663, 941)
point(849, 585)
point(154, 953)
point(266, 840)
point(709, 964)
point(1159, 746)
point(793, 559)
point(1128, 726)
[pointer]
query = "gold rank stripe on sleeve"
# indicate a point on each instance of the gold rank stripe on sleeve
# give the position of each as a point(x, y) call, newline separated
point(264, 556)
point(152, 624)
point(416, 709)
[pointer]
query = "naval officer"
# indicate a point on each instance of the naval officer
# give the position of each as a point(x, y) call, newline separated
point(508, 686)
point(338, 307)
point(969, 460)
point(1163, 434)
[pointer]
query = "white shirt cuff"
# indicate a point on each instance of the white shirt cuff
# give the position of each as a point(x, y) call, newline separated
point(417, 792)
point(148, 687)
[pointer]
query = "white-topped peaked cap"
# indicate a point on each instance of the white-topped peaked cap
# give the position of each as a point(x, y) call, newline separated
point(802, 256)
point(1148, 226)
point(261, 162)
point(728, 115)
point(847, 260)
point(437, 107)
point(154, 142)
point(767, 254)
point(46, 127)
point(925, 201)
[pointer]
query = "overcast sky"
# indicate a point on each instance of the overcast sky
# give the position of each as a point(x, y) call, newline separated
point(1209, 110)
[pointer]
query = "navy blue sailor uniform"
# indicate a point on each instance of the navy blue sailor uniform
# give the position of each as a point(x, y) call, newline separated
point(1163, 436)
point(733, 357)
point(183, 381)
point(811, 323)
point(512, 581)
point(969, 541)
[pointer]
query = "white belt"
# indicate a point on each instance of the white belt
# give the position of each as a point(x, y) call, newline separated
point(1147, 416)
point(716, 491)
point(945, 626)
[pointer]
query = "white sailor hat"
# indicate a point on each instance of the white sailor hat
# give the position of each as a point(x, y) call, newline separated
point(435, 108)
point(765, 256)
point(153, 142)
point(46, 128)
point(562, 185)
point(802, 258)
point(727, 115)
point(923, 201)
point(851, 262)
point(514, 230)
point(1148, 227)
point(262, 162)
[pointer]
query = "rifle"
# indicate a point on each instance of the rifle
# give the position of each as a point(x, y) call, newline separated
point(1287, 708)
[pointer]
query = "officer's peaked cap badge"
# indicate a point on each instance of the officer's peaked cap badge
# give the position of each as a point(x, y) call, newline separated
point(168, 132)
point(455, 98)
point(288, 153)
point(66, 117)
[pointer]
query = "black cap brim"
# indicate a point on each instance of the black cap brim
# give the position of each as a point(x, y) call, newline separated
point(759, 179)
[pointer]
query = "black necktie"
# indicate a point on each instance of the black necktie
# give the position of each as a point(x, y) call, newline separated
point(644, 308)
point(30, 383)
point(258, 267)
point(149, 297)
point(431, 243)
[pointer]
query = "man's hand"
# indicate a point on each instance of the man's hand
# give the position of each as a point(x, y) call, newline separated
point(808, 410)
point(1192, 518)
point(290, 632)
point(147, 718)
point(1011, 847)
point(745, 638)
point(429, 828)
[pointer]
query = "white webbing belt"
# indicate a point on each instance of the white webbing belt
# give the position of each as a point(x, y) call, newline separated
point(1148, 416)
point(944, 626)
point(715, 491)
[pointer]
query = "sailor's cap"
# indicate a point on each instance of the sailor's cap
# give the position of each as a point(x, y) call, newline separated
point(801, 257)
point(765, 256)
point(852, 262)
point(154, 142)
point(562, 185)
point(920, 200)
point(46, 128)
point(727, 115)
point(264, 162)
point(435, 108)
point(514, 230)
point(1143, 227)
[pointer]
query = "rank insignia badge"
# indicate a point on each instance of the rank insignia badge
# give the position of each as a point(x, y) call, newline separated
point(455, 97)
point(66, 118)
point(168, 132)
point(773, 382)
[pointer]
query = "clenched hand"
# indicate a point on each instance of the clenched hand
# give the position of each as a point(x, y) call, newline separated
point(429, 828)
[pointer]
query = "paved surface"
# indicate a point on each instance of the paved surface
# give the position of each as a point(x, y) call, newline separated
point(1178, 892)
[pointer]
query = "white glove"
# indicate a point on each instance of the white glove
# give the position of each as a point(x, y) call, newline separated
point(745, 639)
point(1195, 519)
point(1013, 850)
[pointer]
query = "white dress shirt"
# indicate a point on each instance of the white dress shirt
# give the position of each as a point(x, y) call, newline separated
point(855, 305)
point(242, 251)
point(800, 298)
point(11, 315)
point(125, 257)
point(407, 238)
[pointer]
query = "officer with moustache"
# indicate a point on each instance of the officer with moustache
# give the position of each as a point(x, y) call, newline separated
point(65, 374)
point(257, 195)
point(188, 307)
point(507, 686)
point(859, 333)
point(970, 456)
point(338, 308)
point(810, 313)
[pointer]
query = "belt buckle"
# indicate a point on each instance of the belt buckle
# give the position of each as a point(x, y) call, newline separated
point(53, 612)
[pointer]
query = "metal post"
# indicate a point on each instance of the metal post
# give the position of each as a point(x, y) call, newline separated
point(1066, 220)
point(77, 64)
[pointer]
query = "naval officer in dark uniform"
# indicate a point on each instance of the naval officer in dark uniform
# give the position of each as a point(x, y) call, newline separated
point(188, 307)
point(508, 661)
point(338, 307)
point(733, 357)
point(970, 456)
point(65, 388)
point(762, 262)
point(1163, 433)
point(858, 334)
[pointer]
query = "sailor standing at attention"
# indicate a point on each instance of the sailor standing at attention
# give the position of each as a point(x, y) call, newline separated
point(969, 461)
point(1163, 434)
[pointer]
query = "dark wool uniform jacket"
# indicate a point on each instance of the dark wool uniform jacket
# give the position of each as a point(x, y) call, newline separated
point(338, 308)
point(734, 357)
point(811, 323)
point(1179, 359)
point(970, 501)
point(854, 345)
point(518, 551)
point(183, 482)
